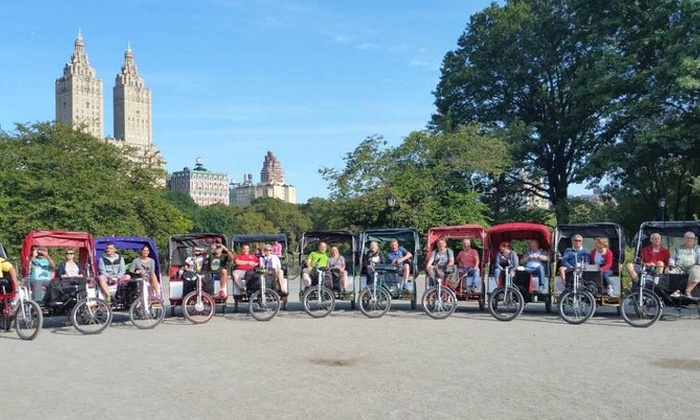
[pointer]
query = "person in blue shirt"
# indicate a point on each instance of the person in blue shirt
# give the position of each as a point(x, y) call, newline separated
point(577, 254)
point(400, 256)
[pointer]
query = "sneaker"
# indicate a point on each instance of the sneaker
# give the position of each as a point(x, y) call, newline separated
point(676, 294)
point(610, 291)
point(542, 290)
point(473, 289)
point(108, 299)
point(689, 295)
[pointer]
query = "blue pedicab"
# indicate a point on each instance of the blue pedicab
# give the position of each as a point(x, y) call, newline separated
point(264, 293)
point(145, 311)
point(642, 307)
point(506, 302)
point(74, 297)
point(381, 282)
point(327, 283)
point(196, 296)
point(586, 280)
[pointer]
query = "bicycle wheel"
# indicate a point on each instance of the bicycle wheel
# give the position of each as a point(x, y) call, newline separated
point(293, 271)
point(506, 304)
point(264, 308)
point(318, 301)
point(147, 316)
point(439, 305)
point(198, 312)
point(28, 320)
point(643, 315)
point(91, 316)
point(374, 305)
point(576, 307)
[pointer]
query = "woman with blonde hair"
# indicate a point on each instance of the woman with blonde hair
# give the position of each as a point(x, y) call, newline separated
point(602, 257)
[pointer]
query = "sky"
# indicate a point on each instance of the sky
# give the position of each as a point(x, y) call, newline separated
point(233, 79)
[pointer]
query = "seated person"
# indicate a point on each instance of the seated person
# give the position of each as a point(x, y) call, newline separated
point(144, 268)
point(506, 259)
point(8, 277)
point(400, 257)
point(602, 257)
point(686, 260)
point(652, 255)
point(243, 265)
point(215, 267)
point(337, 264)
point(272, 263)
point(373, 256)
point(534, 260)
point(277, 248)
point(577, 254)
point(112, 269)
point(317, 259)
point(41, 265)
point(68, 269)
point(440, 262)
point(468, 266)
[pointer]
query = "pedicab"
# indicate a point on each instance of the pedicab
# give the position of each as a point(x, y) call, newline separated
point(382, 282)
point(16, 308)
point(319, 297)
point(464, 288)
point(508, 296)
point(145, 311)
point(264, 293)
point(182, 255)
point(585, 281)
point(74, 297)
point(643, 307)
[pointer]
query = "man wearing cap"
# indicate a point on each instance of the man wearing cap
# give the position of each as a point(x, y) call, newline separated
point(215, 267)
point(272, 263)
point(652, 255)
point(686, 259)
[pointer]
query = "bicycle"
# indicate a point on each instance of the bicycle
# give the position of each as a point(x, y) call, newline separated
point(375, 299)
point(439, 301)
point(506, 302)
point(318, 301)
point(264, 303)
point(147, 311)
point(26, 314)
point(642, 307)
point(198, 306)
point(91, 315)
point(577, 305)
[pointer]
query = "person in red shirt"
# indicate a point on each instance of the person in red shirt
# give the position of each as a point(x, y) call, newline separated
point(602, 257)
point(468, 266)
point(243, 263)
point(652, 255)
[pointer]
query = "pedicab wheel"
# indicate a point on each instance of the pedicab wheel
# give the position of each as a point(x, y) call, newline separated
point(91, 316)
point(506, 304)
point(147, 316)
point(198, 312)
point(374, 305)
point(643, 315)
point(548, 304)
point(576, 307)
point(264, 308)
point(439, 306)
point(28, 320)
point(318, 301)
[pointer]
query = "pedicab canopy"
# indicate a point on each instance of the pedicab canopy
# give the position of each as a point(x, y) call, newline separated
point(590, 231)
point(134, 243)
point(454, 232)
point(182, 246)
point(81, 242)
point(344, 239)
point(407, 237)
point(507, 232)
point(247, 238)
point(667, 230)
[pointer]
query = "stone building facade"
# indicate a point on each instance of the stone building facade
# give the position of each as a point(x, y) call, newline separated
point(271, 184)
point(205, 187)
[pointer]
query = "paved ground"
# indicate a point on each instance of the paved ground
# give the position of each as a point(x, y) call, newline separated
point(404, 365)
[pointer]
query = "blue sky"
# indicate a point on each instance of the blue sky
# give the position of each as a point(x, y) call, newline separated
point(232, 79)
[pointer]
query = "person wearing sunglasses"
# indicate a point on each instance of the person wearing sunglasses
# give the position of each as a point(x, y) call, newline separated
point(70, 269)
point(577, 254)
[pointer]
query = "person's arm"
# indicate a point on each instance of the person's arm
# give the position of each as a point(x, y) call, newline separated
point(591, 258)
point(608, 261)
point(121, 269)
point(61, 270)
point(525, 258)
point(672, 259)
point(568, 253)
point(513, 259)
point(101, 268)
point(429, 264)
point(406, 257)
point(450, 257)
point(477, 260)
point(52, 264)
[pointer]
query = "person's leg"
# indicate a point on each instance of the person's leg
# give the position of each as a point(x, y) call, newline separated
point(282, 281)
point(406, 272)
point(497, 276)
point(631, 270)
point(223, 283)
point(693, 280)
point(102, 280)
point(541, 278)
point(344, 280)
point(562, 275)
point(155, 286)
point(239, 280)
point(306, 278)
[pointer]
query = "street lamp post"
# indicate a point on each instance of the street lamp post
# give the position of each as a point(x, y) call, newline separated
point(662, 207)
point(391, 204)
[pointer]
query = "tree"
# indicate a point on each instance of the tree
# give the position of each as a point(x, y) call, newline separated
point(57, 178)
point(286, 217)
point(530, 70)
